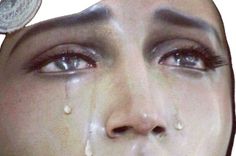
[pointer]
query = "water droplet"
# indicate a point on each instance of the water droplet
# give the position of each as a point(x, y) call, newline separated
point(67, 109)
point(88, 151)
point(179, 126)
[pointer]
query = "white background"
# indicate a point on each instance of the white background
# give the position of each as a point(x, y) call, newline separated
point(226, 7)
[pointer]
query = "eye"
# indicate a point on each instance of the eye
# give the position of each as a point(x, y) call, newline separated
point(187, 54)
point(64, 59)
point(187, 58)
point(68, 63)
point(192, 58)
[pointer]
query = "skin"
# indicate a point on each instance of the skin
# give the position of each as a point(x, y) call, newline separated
point(129, 103)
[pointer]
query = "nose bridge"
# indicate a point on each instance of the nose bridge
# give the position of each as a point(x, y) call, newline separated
point(138, 112)
point(139, 105)
point(135, 75)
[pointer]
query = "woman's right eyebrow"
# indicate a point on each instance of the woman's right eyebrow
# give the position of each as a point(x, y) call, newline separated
point(94, 14)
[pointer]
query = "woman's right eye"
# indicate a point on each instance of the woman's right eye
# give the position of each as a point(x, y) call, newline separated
point(64, 59)
point(68, 63)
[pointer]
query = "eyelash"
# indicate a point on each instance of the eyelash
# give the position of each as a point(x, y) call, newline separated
point(210, 61)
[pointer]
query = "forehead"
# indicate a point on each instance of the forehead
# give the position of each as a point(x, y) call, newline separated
point(144, 6)
point(141, 10)
point(136, 15)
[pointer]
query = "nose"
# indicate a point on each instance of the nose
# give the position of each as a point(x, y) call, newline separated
point(135, 112)
point(139, 123)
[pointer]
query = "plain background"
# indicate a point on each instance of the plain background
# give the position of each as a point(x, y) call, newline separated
point(228, 13)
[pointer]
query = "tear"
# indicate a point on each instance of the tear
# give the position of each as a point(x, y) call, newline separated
point(178, 124)
point(70, 89)
point(88, 149)
point(67, 110)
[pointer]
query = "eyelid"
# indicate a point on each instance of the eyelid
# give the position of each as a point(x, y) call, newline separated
point(195, 51)
point(166, 46)
point(60, 50)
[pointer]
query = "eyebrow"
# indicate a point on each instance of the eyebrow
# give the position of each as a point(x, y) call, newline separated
point(94, 14)
point(175, 17)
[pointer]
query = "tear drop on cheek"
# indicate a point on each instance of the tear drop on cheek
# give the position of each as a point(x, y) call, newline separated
point(179, 126)
point(67, 107)
point(88, 150)
point(67, 110)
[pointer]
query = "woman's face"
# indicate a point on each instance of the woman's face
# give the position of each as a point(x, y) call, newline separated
point(122, 78)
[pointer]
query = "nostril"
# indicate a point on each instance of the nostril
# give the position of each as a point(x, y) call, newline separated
point(158, 130)
point(120, 130)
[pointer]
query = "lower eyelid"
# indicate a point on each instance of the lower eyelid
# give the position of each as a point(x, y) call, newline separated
point(187, 72)
point(65, 74)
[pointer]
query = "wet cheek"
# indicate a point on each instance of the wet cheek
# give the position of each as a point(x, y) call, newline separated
point(99, 98)
point(197, 103)
point(37, 114)
point(107, 96)
point(208, 106)
point(204, 116)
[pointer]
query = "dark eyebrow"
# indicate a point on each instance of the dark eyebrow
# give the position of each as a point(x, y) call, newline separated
point(177, 18)
point(96, 13)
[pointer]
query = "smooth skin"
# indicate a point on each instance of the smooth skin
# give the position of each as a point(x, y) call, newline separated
point(127, 91)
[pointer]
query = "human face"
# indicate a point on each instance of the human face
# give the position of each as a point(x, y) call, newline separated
point(135, 77)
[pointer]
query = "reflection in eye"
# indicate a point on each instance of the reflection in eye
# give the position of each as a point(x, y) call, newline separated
point(192, 58)
point(184, 60)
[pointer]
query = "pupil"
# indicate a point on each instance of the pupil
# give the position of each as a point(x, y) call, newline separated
point(186, 60)
point(66, 63)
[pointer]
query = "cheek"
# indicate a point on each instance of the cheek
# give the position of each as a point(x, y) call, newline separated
point(100, 97)
point(207, 116)
point(203, 105)
point(35, 115)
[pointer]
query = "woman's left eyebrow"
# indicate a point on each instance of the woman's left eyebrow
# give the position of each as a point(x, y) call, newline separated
point(94, 14)
point(174, 17)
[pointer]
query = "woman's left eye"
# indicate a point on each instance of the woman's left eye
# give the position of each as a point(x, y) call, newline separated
point(67, 64)
point(184, 59)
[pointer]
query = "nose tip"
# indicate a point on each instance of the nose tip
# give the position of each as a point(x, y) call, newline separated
point(140, 125)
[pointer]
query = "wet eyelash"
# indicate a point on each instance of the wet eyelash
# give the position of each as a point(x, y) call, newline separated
point(39, 62)
point(210, 60)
